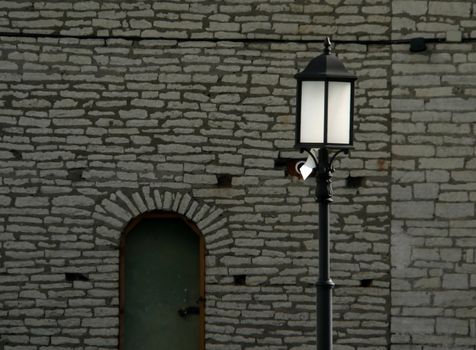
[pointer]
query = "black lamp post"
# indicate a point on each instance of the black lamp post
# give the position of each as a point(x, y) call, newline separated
point(324, 111)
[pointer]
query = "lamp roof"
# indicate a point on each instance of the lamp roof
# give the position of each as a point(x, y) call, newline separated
point(325, 66)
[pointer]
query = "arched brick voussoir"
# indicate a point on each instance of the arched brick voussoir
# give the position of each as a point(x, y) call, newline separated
point(116, 211)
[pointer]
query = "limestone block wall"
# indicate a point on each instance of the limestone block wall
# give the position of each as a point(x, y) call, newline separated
point(433, 182)
point(432, 19)
point(198, 118)
point(200, 19)
point(433, 178)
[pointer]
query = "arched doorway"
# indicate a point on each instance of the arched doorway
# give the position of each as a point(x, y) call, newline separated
point(162, 284)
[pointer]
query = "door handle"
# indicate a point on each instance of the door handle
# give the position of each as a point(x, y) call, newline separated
point(190, 310)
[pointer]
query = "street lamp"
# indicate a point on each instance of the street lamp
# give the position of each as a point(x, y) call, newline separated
point(324, 120)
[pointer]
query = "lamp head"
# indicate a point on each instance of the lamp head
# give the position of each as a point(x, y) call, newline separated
point(325, 103)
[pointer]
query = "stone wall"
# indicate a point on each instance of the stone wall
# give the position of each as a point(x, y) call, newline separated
point(201, 19)
point(433, 178)
point(200, 115)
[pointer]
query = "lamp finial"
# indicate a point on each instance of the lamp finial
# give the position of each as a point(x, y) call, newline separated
point(327, 46)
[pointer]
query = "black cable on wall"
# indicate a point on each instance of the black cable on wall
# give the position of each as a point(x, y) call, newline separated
point(242, 40)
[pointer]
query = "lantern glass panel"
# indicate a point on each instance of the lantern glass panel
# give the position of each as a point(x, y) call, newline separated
point(339, 104)
point(312, 112)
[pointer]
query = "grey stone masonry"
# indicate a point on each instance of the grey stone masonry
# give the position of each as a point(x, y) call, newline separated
point(88, 144)
point(433, 179)
point(174, 19)
point(190, 108)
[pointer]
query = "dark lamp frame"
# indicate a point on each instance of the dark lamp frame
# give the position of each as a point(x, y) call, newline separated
point(325, 68)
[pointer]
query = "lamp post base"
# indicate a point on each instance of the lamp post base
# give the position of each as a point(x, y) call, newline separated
point(324, 319)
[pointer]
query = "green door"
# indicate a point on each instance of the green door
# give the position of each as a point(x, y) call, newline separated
point(162, 293)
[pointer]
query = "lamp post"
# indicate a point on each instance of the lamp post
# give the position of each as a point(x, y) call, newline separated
point(324, 120)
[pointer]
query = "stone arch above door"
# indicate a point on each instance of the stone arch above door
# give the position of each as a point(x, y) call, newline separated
point(116, 211)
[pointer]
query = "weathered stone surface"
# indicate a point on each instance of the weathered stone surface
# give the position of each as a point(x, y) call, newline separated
point(98, 131)
point(413, 210)
point(422, 247)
